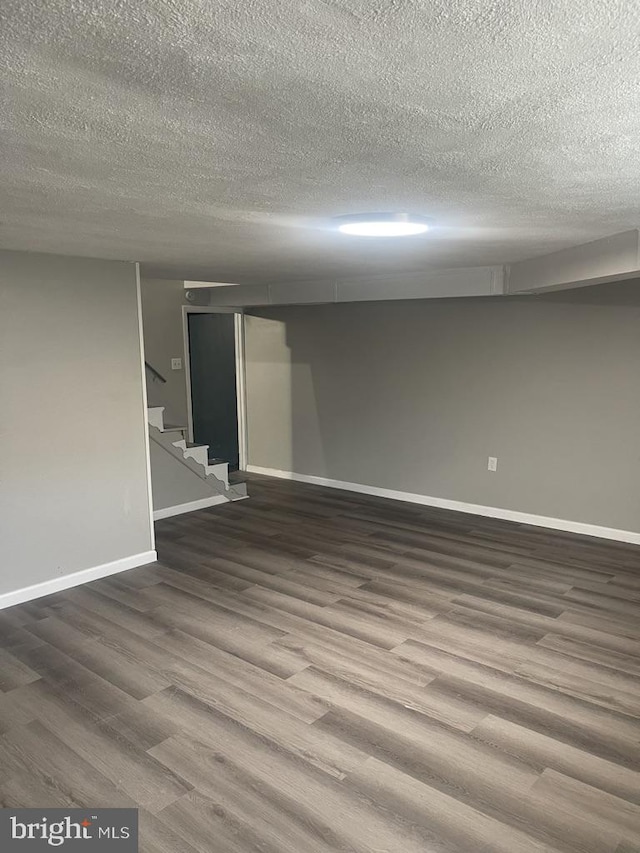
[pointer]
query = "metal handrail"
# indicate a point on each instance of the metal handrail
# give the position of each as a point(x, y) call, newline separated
point(156, 374)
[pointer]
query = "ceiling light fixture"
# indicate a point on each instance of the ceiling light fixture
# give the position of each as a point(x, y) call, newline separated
point(381, 224)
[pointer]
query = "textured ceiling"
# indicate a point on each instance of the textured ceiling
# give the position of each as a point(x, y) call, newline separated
point(211, 138)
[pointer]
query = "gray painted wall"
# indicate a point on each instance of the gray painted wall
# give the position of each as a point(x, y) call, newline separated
point(72, 444)
point(414, 396)
point(162, 302)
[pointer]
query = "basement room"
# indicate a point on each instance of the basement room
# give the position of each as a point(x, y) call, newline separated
point(320, 435)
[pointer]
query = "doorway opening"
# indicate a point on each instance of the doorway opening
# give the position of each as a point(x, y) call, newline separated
point(214, 362)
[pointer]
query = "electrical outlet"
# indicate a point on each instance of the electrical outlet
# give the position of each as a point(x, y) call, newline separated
point(493, 463)
point(176, 364)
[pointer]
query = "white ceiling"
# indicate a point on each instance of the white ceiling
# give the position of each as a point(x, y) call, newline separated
point(212, 138)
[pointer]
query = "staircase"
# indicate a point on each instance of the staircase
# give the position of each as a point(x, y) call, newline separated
point(182, 479)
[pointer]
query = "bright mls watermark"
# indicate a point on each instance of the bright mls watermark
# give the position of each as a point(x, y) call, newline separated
point(73, 830)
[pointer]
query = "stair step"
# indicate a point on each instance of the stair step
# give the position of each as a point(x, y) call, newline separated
point(219, 470)
point(197, 452)
point(183, 444)
point(155, 416)
point(237, 492)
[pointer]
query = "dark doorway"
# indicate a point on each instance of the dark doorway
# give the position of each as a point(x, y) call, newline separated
point(214, 402)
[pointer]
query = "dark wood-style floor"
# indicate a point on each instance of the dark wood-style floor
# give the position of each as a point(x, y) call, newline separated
point(312, 670)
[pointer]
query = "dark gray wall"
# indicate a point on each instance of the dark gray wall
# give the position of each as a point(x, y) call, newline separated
point(414, 396)
point(73, 464)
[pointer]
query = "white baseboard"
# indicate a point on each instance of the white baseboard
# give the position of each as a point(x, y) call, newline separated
point(37, 590)
point(203, 503)
point(460, 506)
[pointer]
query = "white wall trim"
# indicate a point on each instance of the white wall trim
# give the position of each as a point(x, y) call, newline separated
point(460, 506)
point(191, 506)
point(37, 590)
point(145, 404)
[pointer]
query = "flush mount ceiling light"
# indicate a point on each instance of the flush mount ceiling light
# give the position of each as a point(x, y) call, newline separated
point(381, 224)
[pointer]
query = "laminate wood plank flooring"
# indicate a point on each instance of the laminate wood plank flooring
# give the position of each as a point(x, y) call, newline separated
point(314, 670)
